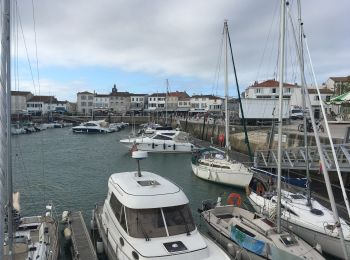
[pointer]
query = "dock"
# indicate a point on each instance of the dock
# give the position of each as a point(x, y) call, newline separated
point(81, 242)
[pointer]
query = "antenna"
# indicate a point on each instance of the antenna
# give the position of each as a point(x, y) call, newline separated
point(139, 155)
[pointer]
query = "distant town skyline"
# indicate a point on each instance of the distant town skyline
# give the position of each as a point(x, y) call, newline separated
point(137, 45)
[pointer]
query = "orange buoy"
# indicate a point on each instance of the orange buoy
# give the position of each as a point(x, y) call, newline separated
point(234, 199)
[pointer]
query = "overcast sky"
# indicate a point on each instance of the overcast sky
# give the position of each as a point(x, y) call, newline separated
point(138, 44)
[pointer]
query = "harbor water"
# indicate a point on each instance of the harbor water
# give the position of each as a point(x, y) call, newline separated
point(72, 170)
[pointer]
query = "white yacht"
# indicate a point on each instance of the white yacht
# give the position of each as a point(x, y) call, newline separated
point(314, 223)
point(162, 141)
point(92, 127)
point(146, 216)
point(212, 165)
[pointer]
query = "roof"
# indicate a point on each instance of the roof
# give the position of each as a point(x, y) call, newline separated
point(85, 92)
point(20, 93)
point(322, 91)
point(44, 99)
point(133, 94)
point(148, 191)
point(178, 94)
point(120, 94)
point(101, 95)
point(271, 83)
point(341, 79)
point(206, 96)
point(157, 95)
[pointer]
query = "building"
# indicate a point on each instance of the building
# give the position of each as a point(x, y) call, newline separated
point(138, 102)
point(269, 89)
point(85, 103)
point(101, 102)
point(19, 101)
point(120, 102)
point(41, 105)
point(156, 102)
point(206, 103)
point(173, 100)
point(339, 85)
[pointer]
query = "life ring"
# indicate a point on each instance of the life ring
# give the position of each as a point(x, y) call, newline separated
point(260, 190)
point(234, 199)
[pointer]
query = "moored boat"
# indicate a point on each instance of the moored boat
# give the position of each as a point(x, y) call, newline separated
point(146, 216)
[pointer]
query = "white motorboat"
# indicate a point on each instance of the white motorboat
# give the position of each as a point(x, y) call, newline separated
point(92, 127)
point(314, 223)
point(146, 216)
point(212, 165)
point(248, 236)
point(162, 141)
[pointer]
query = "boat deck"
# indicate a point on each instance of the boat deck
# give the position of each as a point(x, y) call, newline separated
point(82, 245)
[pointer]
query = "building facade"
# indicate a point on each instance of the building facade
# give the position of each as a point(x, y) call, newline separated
point(270, 89)
point(206, 103)
point(138, 102)
point(19, 101)
point(156, 102)
point(85, 103)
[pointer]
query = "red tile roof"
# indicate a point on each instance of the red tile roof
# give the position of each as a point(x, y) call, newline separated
point(44, 99)
point(20, 93)
point(178, 94)
point(341, 79)
point(206, 96)
point(322, 91)
point(271, 83)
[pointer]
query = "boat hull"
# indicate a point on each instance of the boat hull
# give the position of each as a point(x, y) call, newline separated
point(235, 177)
point(161, 147)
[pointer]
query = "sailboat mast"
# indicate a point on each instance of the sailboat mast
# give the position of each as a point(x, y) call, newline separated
point(227, 137)
point(304, 93)
point(5, 130)
point(281, 79)
point(166, 102)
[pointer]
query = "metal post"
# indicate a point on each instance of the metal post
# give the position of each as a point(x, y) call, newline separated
point(227, 118)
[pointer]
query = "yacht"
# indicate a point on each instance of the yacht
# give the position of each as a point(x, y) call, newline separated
point(248, 235)
point(162, 141)
point(146, 216)
point(92, 127)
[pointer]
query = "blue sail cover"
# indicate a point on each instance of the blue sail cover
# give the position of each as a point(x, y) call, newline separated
point(244, 240)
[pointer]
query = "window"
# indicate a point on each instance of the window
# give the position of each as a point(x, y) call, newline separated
point(145, 223)
point(273, 90)
point(90, 104)
point(316, 98)
point(328, 98)
point(161, 137)
point(90, 98)
point(178, 219)
point(118, 210)
point(83, 104)
point(83, 97)
point(258, 90)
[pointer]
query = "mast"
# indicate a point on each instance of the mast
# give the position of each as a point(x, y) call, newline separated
point(166, 103)
point(304, 93)
point(281, 74)
point(227, 142)
point(5, 130)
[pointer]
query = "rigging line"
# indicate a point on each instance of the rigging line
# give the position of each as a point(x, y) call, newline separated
point(217, 69)
point(38, 79)
point(25, 46)
point(328, 133)
point(267, 41)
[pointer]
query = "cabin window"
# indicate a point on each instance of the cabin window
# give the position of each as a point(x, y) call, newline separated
point(161, 137)
point(116, 206)
point(145, 223)
point(178, 219)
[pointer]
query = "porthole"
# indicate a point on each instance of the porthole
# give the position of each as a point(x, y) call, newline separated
point(121, 240)
point(135, 255)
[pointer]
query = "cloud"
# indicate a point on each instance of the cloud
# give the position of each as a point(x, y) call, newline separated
point(179, 38)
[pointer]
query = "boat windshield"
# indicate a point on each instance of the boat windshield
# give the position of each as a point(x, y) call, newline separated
point(149, 223)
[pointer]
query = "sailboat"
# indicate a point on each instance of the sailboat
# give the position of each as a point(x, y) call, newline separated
point(34, 237)
point(304, 215)
point(212, 164)
point(248, 235)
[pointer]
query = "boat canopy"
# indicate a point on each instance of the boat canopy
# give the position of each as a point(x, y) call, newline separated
point(145, 192)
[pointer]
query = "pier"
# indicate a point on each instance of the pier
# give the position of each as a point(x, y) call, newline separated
point(81, 242)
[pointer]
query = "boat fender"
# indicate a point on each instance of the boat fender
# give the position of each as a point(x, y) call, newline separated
point(234, 199)
point(164, 146)
point(99, 246)
point(152, 145)
point(65, 215)
point(67, 233)
point(174, 147)
point(231, 249)
point(318, 247)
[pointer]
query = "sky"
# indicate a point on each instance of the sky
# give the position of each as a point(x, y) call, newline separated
point(84, 45)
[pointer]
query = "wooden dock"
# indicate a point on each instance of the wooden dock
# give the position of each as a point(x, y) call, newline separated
point(81, 242)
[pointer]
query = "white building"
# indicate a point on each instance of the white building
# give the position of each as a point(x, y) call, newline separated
point(85, 103)
point(156, 101)
point(39, 105)
point(337, 84)
point(19, 101)
point(206, 103)
point(269, 89)
point(138, 102)
point(101, 102)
